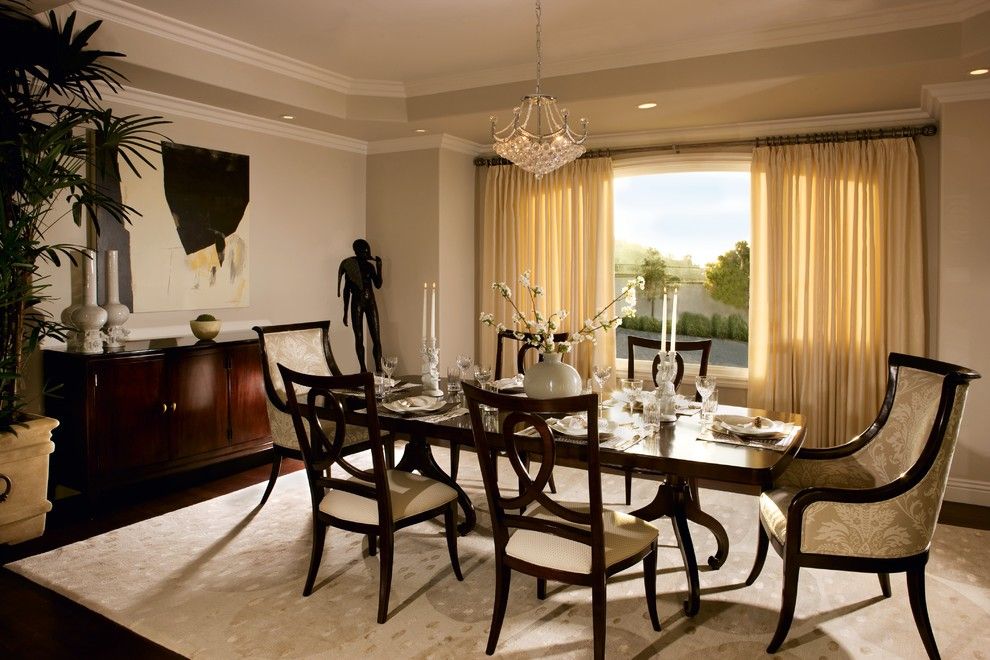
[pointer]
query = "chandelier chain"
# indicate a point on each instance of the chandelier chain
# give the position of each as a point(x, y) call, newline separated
point(539, 44)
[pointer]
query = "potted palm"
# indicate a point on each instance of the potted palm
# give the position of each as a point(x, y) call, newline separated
point(52, 88)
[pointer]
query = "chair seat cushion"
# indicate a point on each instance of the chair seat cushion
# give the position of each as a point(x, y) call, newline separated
point(625, 536)
point(773, 510)
point(412, 494)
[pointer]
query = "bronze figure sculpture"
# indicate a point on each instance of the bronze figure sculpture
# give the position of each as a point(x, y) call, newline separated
point(362, 274)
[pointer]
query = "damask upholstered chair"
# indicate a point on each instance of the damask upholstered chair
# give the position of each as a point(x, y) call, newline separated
point(375, 502)
point(871, 504)
point(702, 346)
point(580, 543)
point(303, 347)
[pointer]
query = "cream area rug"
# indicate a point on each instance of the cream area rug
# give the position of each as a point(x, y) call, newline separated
point(224, 579)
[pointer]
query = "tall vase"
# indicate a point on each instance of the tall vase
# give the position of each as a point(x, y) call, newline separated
point(115, 334)
point(90, 317)
point(73, 338)
point(550, 378)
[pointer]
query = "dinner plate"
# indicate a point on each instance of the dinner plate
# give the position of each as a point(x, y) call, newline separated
point(578, 428)
point(761, 428)
point(415, 404)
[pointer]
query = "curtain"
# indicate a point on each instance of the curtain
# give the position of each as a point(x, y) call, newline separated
point(836, 279)
point(560, 228)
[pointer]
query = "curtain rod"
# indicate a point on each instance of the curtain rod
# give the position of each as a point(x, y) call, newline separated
point(771, 141)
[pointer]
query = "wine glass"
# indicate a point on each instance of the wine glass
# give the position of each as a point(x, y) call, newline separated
point(464, 363)
point(631, 387)
point(483, 374)
point(705, 385)
point(389, 363)
point(601, 374)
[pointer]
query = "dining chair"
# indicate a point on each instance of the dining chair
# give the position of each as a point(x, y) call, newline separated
point(581, 544)
point(375, 502)
point(871, 505)
point(524, 348)
point(703, 346)
point(303, 347)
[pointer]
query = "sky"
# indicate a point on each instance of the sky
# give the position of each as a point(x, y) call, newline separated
point(702, 214)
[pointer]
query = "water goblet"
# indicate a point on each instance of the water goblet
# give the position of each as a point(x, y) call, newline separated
point(631, 387)
point(483, 374)
point(704, 385)
point(464, 363)
point(389, 363)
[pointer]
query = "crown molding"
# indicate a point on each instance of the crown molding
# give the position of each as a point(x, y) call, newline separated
point(919, 15)
point(750, 130)
point(933, 96)
point(127, 14)
point(170, 105)
point(423, 142)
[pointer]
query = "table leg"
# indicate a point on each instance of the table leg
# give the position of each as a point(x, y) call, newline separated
point(418, 457)
point(672, 500)
point(695, 514)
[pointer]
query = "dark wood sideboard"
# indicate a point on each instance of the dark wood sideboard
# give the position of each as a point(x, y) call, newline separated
point(153, 408)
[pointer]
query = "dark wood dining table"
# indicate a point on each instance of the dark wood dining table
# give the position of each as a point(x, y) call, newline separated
point(672, 451)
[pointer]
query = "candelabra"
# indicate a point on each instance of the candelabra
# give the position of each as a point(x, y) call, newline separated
point(666, 393)
point(431, 369)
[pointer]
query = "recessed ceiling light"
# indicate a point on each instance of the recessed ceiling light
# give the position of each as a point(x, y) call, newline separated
point(646, 106)
point(420, 130)
point(979, 72)
point(288, 116)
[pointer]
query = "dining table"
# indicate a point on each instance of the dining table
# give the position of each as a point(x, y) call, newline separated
point(678, 453)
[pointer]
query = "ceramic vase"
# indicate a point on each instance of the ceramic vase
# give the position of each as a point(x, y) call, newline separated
point(90, 317)
point(550, 378)
point(73, 339)
point(115, 334)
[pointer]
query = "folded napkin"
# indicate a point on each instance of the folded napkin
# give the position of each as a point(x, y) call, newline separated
point(505, 383)
point(750, 426)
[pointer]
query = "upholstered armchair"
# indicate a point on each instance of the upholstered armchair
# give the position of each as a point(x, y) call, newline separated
point(302, 347)
point(871, 505)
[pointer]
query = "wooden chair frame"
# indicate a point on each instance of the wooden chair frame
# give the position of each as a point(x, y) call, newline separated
point(913, 565)
point(585, 527)
point(320, 453)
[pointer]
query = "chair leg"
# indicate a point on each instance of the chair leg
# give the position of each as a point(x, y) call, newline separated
point(315, 556)
point(450, 528)
point(276, 466)
point(628, 487)
point(884, 584)
point(762, 544)
point(919, 607)
point(541, 588)
point(650, 581)
point(598, 603)
point(788, 598)
point(385, 570)
point(455, 459)
point(503, 575)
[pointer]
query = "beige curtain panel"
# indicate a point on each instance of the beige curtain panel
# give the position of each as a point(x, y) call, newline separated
point(836, 279)
point(560, 228)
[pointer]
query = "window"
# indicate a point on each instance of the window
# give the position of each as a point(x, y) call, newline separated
point(685, 222)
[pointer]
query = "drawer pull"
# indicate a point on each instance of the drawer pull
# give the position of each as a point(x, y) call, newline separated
point(5, 481)
point(174, 406)
point(164, 408)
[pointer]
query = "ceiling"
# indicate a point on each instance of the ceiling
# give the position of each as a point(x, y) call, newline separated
point(378, 69)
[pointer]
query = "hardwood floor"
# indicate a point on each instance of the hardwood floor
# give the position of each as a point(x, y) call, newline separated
point(37, 623)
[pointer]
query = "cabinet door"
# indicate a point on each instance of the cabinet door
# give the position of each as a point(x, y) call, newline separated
point(198, 402)
point(248, 401)
point(128, 422)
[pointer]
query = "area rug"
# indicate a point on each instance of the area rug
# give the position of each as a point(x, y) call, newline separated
point(223, 579)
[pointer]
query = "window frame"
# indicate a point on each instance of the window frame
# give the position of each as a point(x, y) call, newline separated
point(730, 377)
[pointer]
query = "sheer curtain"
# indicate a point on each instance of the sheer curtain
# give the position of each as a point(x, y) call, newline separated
point(560, 228)
point(836, 279)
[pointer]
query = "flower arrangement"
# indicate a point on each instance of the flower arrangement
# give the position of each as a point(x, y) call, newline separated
point(539, 330)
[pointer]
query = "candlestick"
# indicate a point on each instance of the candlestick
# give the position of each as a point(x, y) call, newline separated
point(663, 323)
point(433, 312)
point(424, 310)
point(673, 326)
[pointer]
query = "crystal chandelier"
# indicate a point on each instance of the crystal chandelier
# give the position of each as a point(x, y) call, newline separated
point(539, 140)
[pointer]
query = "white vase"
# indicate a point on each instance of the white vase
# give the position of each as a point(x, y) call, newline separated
point(90, 317)
point(117, 313)
point(73, 338)
point(551, 379)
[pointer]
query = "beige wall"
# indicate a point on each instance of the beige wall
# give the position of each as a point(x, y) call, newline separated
point(307, 206)
point(964, 283)
point(456, 252)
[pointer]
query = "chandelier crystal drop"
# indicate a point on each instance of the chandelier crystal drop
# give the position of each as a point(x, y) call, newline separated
point(539, 139)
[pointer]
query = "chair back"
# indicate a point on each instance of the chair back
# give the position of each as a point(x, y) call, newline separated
point(524, 348)
point(324, 402)
point(584, 524)
point(702, 345)
point(303, 347)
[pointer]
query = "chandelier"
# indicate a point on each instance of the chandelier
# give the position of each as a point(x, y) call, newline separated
point(539, 139)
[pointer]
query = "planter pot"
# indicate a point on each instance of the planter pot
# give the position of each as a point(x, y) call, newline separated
point(551, 379)
point(24, 479)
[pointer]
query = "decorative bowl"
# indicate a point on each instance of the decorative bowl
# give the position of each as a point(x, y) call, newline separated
point(205, 330)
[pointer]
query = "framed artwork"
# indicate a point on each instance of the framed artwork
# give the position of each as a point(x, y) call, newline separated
point(189, 248)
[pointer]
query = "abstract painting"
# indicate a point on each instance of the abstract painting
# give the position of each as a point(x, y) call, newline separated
point(189, 248)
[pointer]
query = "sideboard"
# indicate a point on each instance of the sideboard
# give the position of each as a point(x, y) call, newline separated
point(153, 408)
